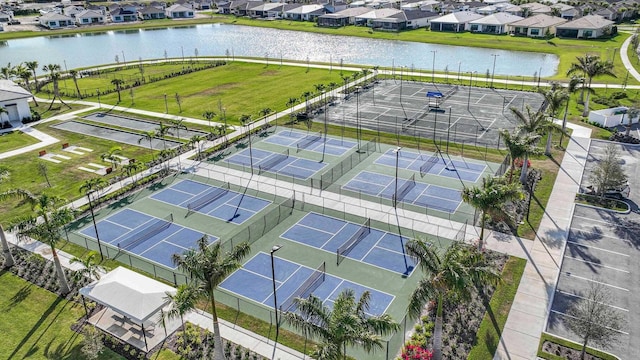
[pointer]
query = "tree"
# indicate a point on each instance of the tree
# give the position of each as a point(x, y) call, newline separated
point(179, 102)
point(608, 173)
point(291, 104)
point(6, 250)
point(518, 145)
point(43, 170)
point(118, 84)
point(345, 324)
point(33, 66)
point(177, 124)
point(89, 187)
point(632, 113)
point(306, 96)
point(591, 66)
point(74, 76)
point(112, 156)
point(23, 74)
point(53, 217)
point(209, 115)
point(131, 168)
point(54, 76)
point(449, 276)
point(265, 111)
point(148, 135)
point(90, 267)
point(183, 301)
point(489, 199)
point(592, 319)
point(531, 123)
point(207, 266)
point(196, 140)
point(92, 343)
point(6, 72)
point(162, 131)
point(555, 98)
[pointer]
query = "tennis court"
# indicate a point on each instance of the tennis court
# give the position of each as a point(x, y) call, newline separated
point(315, 142)
point(280, 163)
point(355, 241)
point(433, 164)
point(218, 202)
point(409, 191)
point(295, 280)
point(147, 236)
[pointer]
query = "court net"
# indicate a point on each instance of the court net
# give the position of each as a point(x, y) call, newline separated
point(307, 287)
point(344, 249)
point(409, 184)
point(429, 164)
point(273, 161)
point(146, 233)
point(207, 198)
point(307, 141)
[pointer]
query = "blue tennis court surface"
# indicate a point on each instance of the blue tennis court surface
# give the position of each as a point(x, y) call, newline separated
point(291, 166)
point(378, 248)
point(126, 229)
point(421, 194)
point(253, 281)
point(467, 171)
point(225, 205)
point(311, 142)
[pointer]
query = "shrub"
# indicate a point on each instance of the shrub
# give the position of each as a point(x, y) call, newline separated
point(414, 352)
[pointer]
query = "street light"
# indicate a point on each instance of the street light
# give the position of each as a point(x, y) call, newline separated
point(275, 299)
point(433, 66)
point(494, 68)
point(470, 81)
point(448, 129)
point(395, 194)
point(95, 227)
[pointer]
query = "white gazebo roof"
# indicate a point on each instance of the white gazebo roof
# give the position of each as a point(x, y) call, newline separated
point(12, 91)
point(131, 294)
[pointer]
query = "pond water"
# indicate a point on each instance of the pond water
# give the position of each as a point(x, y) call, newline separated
point(91, 49)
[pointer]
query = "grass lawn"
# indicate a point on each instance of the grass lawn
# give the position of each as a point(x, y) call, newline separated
point(15, 140)
point(241, 88)
point(488, 335)
point(36, 323)
point(571, 344)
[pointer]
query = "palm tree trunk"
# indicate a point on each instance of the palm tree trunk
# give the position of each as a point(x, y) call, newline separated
point(218, 352)
point(482, 225)
point(628, 126)
point(525, 166)
point(184, 331)
point(64, 285)
point(6, 250)
point(547, 150)
point(585, 112)
point(437, 332)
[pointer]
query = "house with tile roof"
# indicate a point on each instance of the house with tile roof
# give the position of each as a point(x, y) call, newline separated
point(494, 24)
point(54, 20)
point(587, 27)
point(536, 26)
point(90, 17)
point(456, 22)
point(342, 18)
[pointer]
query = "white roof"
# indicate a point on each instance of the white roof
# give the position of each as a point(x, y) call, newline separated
point(11, 91)
point(497, 19)
point(587, 22)
point(305, 9)
point(379, 14)
point(460, 17)
point(539, 21)
point(178, 8)
point(52, 16)
point(88, 13)
point(129, 293)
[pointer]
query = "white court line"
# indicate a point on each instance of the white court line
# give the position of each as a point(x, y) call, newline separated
point(596, 264)
point(595, 281)
point(597, 248)
point(616, 330)
point(584, 298)
point(480, 99)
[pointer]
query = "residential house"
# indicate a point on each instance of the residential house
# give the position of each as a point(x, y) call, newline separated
point(54, 20)
point(494, 23)
point(123, 13)
point(457, 21)
point(203, 4)
point(157, 4)
point(186, 3)
point(587, 27)
point(342, 18)
point(536, 26)
point(335, 6)
point(606, 13)
point(565, 11)
point(151, 13)
point(367, 18)
point(407, 19)
point(305, 12)
point(178, 11)
point(90, 17)
point(15, 100)
point(531, 9)
point(262, 10)
point(419, 18)
point(6, 16)
point(71, 11)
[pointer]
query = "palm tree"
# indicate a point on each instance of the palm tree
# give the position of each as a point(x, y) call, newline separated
point(6, 72)
point(118, 84)
point(131, 168)
point(489, 199)
point(74, 76)
point(148, 135)
point(89, 187)
point(166, 155)
point(531, 123)
point(345, 324)
point(53, 217)
point(54, 76)
point(207, 266)
point(209, 115)
point(182, 302)
point(33, 66)
point(177, 124)
point(591, 66)
point(632, 113)
point(291, 104)
point(518, 146)
point(196, 140)
point(162, 131)
point(6, 250)
point(306, 96)
point(112, 156)
point(555, 98)
point(3, 110)
point(452, 275)
point(90, 267)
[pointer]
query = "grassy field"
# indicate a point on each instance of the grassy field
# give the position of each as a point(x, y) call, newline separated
point(15, 140)
point(488, 335)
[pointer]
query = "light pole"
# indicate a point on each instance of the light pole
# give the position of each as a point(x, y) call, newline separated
point(166, 106)
point(469, 97)
point(395, 194)
point(275, 299)
point(494, 68)
point(448, 130)
point(95, 227)
point(433, 66)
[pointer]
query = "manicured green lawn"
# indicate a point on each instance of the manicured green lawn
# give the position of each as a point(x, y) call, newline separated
point(488, 335)
point(36, 324)
point(15, 140)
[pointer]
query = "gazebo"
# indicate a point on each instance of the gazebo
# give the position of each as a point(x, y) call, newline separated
point(133, 307)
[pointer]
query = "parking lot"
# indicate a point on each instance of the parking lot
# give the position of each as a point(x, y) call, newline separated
point(604, 247)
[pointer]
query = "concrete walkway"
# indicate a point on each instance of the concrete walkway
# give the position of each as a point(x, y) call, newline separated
point(625, 59)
